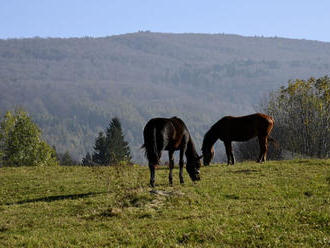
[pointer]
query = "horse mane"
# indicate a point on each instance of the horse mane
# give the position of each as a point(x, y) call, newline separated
point(191, 150)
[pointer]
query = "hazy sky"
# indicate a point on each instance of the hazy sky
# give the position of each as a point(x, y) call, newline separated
point(302, 19)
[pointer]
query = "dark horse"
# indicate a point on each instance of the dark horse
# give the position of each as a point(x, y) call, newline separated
point(171, 135)
point(242, 128)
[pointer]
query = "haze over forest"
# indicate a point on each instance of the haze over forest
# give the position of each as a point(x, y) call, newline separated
point(73, 87)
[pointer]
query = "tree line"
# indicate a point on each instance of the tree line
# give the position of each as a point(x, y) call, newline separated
point(71, 86)
point(21, 144)
point(302, 128)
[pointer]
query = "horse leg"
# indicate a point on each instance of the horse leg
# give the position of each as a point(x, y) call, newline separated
point(182, 151)
point(229, 153)
point(263, 148)
point(266, 149)
point(171, 166)
point(152, 175)
point(232, 157)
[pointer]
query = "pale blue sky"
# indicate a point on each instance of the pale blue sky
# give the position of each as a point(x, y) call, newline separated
point(304, 19)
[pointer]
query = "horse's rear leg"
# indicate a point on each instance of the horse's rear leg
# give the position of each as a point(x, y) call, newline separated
point(171, 166)
point(266, 150)
point(152, 174)
point(263, 149)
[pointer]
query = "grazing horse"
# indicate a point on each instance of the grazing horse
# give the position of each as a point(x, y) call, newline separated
point(242, 128)
point(171, 135)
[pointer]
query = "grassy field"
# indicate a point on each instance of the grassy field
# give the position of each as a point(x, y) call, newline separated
point(276, 204)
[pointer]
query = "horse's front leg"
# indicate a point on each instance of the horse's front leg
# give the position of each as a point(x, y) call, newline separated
point(171, 166)
point(229, 153)
point(182, 152)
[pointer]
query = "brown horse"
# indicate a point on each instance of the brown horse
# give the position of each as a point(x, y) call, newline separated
point(242, 128)
point(171, 135)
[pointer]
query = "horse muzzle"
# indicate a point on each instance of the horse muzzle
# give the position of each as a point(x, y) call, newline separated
point(196, 177)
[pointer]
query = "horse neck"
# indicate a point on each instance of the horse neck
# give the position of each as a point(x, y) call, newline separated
point(210, 138)
point(191, 153)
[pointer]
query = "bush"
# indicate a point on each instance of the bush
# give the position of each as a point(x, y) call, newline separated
point(21, 142)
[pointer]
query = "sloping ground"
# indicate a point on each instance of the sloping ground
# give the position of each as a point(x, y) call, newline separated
point(276, 204)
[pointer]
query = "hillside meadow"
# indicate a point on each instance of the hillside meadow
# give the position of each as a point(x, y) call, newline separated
point(275, 204)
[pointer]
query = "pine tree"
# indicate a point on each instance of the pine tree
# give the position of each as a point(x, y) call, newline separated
point(66, 159)
point(117, 149)
point(87, 160)
point(99, 155)
point(110, 148)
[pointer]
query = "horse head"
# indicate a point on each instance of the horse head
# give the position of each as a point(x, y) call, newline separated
point(193, 166)
point(208, 155)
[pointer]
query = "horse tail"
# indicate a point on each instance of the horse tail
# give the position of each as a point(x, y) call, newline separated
point(150, 146)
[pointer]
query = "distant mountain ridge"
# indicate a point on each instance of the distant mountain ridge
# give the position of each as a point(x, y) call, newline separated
point(73, 87)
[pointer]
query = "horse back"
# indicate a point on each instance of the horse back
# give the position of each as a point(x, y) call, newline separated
point(170, 132)
point(243, 128)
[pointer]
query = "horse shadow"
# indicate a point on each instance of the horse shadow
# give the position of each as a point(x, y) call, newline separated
point(56, 198)
point(246, 171)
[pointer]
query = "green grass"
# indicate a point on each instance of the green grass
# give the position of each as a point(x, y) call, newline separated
point(276, 204)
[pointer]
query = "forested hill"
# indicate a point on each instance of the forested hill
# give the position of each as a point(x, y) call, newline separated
point(73, 87)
